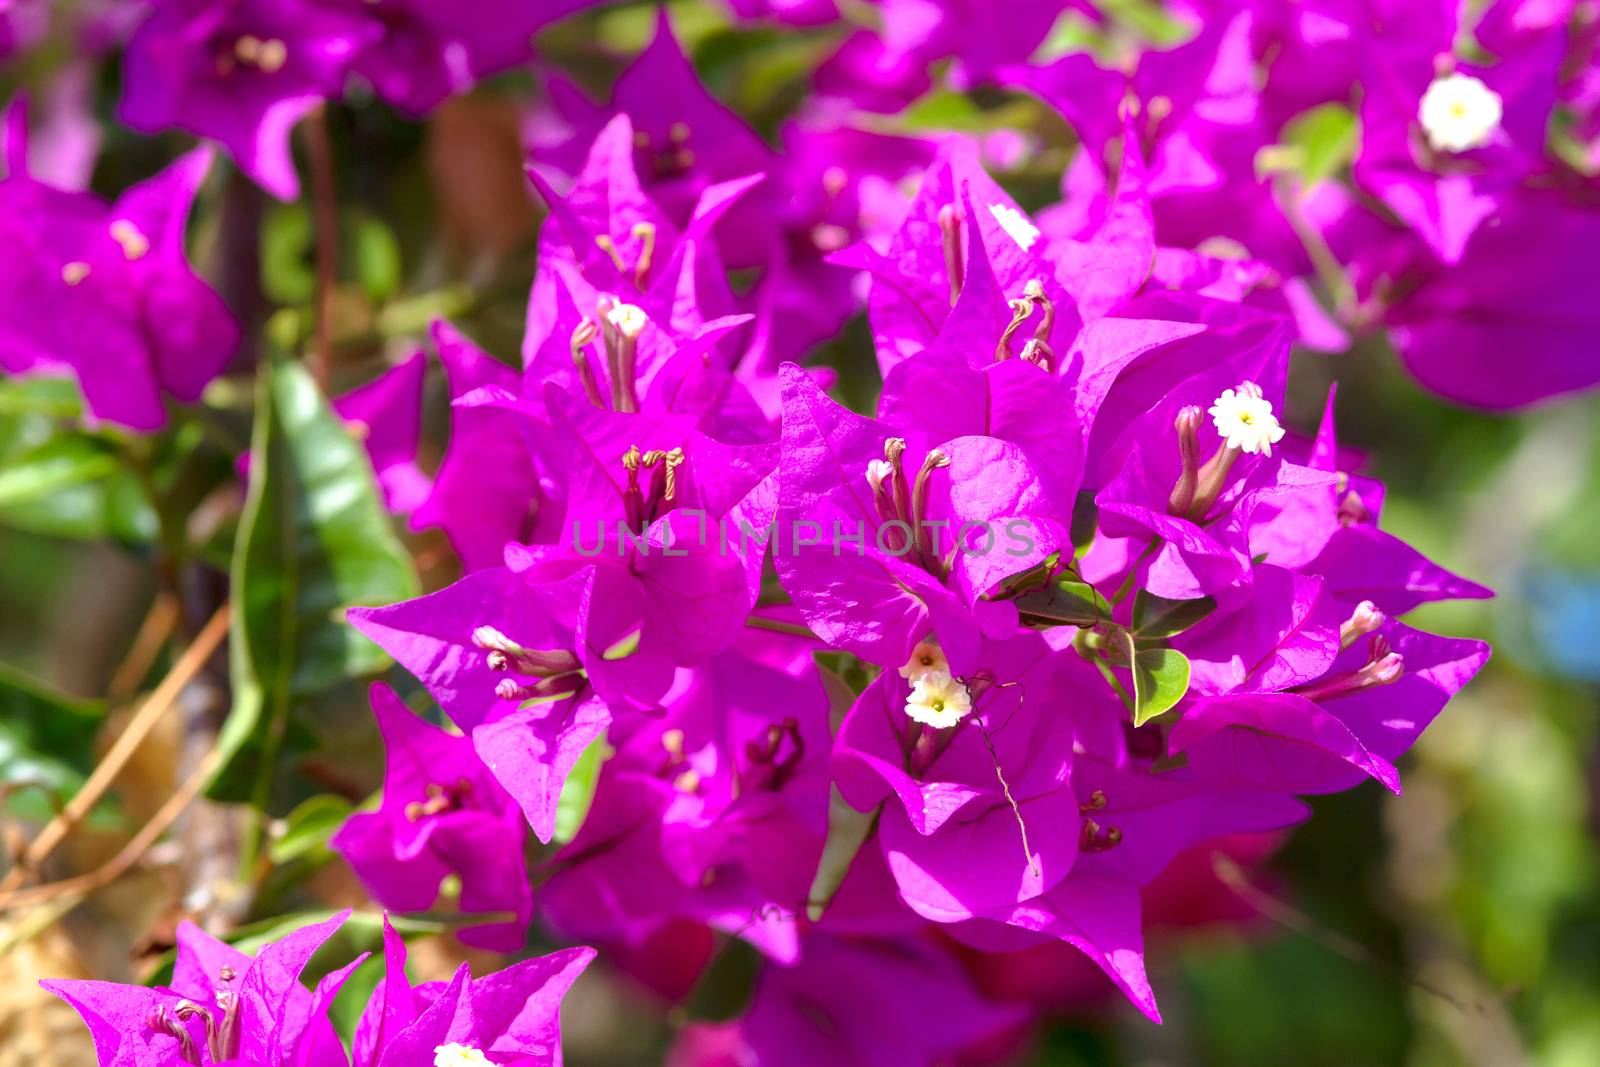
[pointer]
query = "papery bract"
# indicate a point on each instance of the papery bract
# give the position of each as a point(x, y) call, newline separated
point(106, 290)
point(442, 813)
point(242, 73)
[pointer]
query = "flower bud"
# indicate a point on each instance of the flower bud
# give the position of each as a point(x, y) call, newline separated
point(1383, 667)
point(1365, 619)
point(506, 655)
point(1188, 426)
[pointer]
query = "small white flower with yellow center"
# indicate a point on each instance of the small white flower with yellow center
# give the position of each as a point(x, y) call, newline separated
point(1245, 420)
point(629, 319)
point(1016, 224)
point(1459, 113)
point(938, 700)
point(924, 658)
point(454, 1055)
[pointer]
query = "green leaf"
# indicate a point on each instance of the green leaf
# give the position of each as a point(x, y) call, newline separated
point(1085, 522)
point(412, 314)
point(46, 744)
point(57, 398)
point(287, 244)
point(1070, 33)
point(1067, 601)
point(1160, 679)
point(1317, 144)
point(308, 827)
point(1147, 19)
point(62, 482)
point(943, 109)
point(848, 830)
point(58, 464)
point(1158, 617)
point(313, 540)
point(116, 509)
point(377, 258)
point(577, 793)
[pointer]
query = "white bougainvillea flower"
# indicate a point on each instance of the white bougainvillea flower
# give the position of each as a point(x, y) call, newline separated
point(938, 700)
point(1459, 113)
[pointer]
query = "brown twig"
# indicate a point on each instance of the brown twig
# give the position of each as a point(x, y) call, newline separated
point(324, 193)
point(122, 750)
point(147, 644)
point(130, 853)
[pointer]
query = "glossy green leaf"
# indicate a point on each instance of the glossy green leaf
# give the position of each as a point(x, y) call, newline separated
point(1067, 601)
point(307, 828)
point(313, 541)
point(114, 509)
point(1158, 617)
point(59, 481)
point(1160, 679)
point(59, 463)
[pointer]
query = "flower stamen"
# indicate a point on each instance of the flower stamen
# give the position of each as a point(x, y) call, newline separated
point(583, 335)
point(1037, 350)
point(1365, 619)
point(646, 234)
point(950, 220)
point(922, 533)
point(1383, 667)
